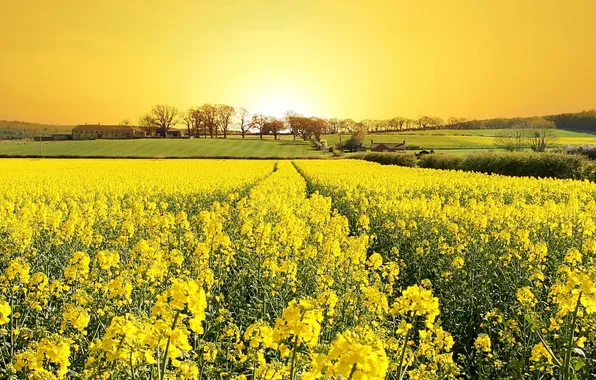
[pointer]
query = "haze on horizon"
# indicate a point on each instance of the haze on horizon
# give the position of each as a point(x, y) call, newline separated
point(91, 61)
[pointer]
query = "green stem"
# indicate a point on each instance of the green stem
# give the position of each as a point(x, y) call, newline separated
point(165, 354)
point(352, 372)
point(402, 369)
point(551, 353)
point(294, 358)
point(566, 364)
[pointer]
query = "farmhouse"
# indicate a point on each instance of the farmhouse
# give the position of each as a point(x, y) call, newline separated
point(387, 147)
point(162, 132)
point(92, 132)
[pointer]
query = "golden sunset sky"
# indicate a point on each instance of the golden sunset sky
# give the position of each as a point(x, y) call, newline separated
point(73, 61)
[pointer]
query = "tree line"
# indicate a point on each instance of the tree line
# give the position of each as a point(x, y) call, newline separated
point(211, 120)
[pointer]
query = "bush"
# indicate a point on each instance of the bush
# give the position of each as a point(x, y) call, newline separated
point(585, 150)
point(554, 165)
point(399, 159)
point(441, 161)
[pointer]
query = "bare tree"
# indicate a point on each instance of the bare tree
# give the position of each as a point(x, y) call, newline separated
point(273, 125)
point(224, 118)
point(209, 118)
point(258, 122)
point(541, 134)
point(452, 121)
point(512, 140)
point(535, 133)
point(243, 120)
point(333, 125)
point(188, 120)
point(161, 117)
point(428, 122)
point(125, 122)
point(398, 123)
point(348, 125)
point(292, 120)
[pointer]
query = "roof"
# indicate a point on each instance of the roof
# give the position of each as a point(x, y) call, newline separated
point(401, 145)
point(94, 127)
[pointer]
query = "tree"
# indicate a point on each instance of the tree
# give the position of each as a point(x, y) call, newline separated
point(333, 125)
point(161, 117)
point(398, 123)
point(125, 122)
point(512, 140)
point(430, 122)
point(541, 134)
point(243, 120)
point(209, 118)
point(535, 133)
point(258, 122)
point(317, 125)
point(188, 120)
point(293, 121)
point(273, 125)
point(357, 138)
point(456, 121)
point(305, 128)
point(348, 125)
point(224, 118)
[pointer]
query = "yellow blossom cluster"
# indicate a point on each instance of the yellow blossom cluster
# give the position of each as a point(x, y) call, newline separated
point(215, 269)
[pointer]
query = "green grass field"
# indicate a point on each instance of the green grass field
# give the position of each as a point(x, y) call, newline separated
point(446, 141)
point(159, 148)
point(459, 139)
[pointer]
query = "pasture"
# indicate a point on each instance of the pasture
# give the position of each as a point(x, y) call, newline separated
point(445, 141)
point(162, 148)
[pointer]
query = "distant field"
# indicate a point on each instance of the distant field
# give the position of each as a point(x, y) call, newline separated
point(446, 141)
point(459, 139)
point(234, 147)
point(21, 129)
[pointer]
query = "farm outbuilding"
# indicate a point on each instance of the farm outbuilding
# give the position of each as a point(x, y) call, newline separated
point(161, 132)
point(92, 132)
point(387, 147)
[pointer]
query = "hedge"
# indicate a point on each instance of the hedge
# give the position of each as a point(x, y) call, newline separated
point(521, 164)
point(400, 159)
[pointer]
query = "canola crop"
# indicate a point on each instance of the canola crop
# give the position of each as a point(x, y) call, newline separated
point(214, 269)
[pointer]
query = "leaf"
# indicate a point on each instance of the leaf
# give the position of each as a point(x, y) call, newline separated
point(578, 364)
point(579, 351)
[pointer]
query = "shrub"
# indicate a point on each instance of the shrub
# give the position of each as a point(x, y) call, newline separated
point(526, 164)
point(585, 150)
point(441, 161)
point(399, 159)
point(518, 164)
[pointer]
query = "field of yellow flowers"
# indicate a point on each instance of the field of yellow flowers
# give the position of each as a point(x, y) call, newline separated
point(214, 269)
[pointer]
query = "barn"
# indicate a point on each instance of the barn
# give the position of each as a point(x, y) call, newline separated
point(387, 147)
point(92, 132)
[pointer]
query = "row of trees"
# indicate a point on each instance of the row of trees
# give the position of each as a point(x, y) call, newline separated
point(535, 133)
point(213, 119)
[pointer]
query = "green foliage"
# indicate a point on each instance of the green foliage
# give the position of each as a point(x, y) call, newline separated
point(399, 159)
point(441, 161)
point(520, 164)
point(585, 150)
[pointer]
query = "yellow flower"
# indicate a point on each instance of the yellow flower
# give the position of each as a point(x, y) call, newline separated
point(300, 320)
point(5, 311)
point(483, 343)
point(540, 352)
point(357, 354)
point(417, 301)
point(525, 297)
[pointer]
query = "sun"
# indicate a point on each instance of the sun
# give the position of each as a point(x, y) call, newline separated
point(278, 104)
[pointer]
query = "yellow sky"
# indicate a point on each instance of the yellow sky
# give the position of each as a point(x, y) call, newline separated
point(73, 61)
